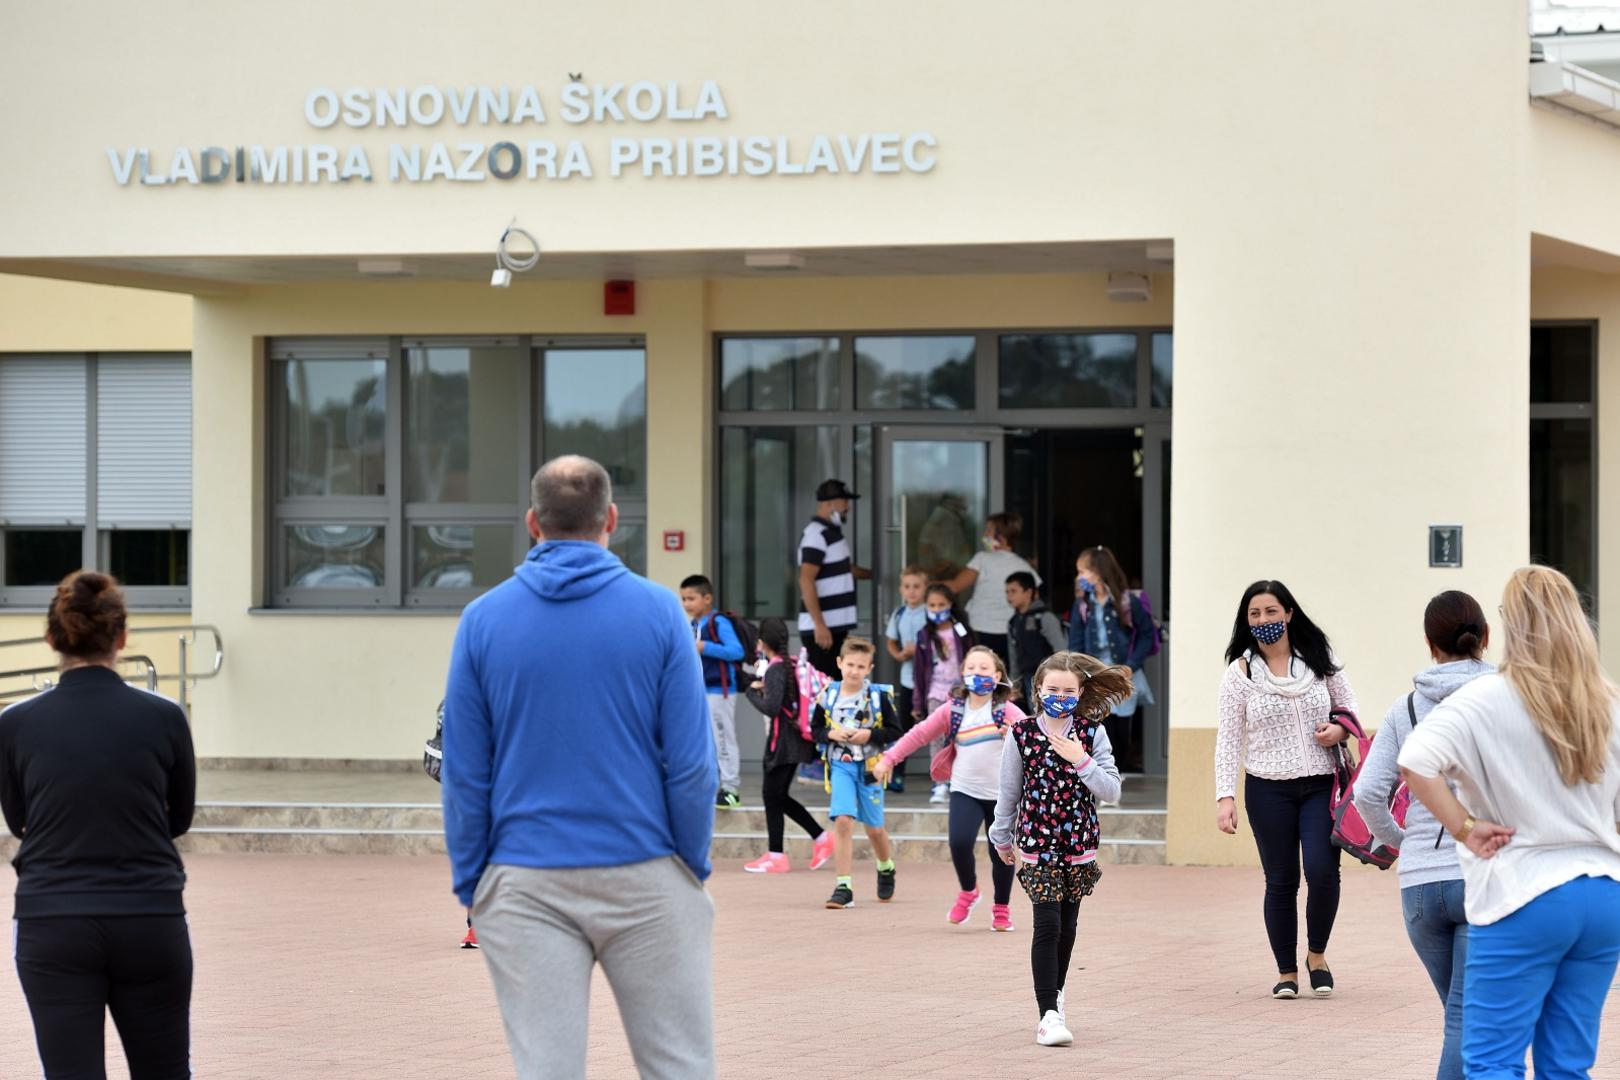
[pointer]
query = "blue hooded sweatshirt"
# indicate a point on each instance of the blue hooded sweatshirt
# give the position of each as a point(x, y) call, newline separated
point(576, 728)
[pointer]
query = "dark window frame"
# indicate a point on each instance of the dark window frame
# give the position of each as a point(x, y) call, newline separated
point(1583, 410)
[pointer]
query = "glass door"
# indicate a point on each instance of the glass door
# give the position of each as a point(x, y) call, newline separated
point(934, 489)
point(1156, 581)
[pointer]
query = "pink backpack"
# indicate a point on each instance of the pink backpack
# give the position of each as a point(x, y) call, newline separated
point(812, 684)
point(1350, 832)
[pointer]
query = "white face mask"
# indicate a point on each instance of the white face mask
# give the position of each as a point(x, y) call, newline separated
point(837, 518)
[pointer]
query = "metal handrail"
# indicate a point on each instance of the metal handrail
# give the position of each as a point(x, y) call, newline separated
point(184, 677)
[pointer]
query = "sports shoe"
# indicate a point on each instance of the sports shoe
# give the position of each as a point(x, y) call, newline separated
point(1052, 1031)
point(842, 897)
point(726, 800)
point(885, 888)
point(810, 775)
point(1001, 919)
point(1322, 982)
point(963, 908)
point(1063, 1014)
point(822, 852)
point(471, 940)
point(769, 863)
point(942, 793)
point(898, 785)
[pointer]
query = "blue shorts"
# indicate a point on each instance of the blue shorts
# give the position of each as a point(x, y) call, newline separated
point(853, 797)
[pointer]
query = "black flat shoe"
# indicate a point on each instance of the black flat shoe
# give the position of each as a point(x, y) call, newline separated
point(1322, 982)
point(1286, 990)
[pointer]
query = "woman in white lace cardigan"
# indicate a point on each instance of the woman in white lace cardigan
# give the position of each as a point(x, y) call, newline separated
point(1281, 686)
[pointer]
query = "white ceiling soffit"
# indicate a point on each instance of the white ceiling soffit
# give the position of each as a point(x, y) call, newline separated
point(1572, 17)
point(1568, 88)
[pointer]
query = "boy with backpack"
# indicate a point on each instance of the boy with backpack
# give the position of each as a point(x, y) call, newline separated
point(1033, 633)
point(900, 635)
point(853, 720)
point(724, 642)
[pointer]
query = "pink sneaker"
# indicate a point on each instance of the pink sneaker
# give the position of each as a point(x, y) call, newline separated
point(769, 864)
point(1000, 918)
point(822, 853)
point(965, 903)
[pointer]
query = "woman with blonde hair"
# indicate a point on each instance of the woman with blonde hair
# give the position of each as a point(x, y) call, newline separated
point(1535, 754)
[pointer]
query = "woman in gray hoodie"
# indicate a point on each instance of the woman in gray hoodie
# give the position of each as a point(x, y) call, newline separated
point(1431, 879)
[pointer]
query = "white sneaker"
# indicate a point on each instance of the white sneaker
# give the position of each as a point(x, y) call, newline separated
point(1052, 1031)
point(1063, 1017)
point(942, 793)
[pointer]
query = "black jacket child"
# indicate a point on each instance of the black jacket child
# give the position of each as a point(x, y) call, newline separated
point(778, 701)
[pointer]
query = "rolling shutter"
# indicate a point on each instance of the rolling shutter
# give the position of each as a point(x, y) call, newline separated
point(42, 440)
point(143, 441)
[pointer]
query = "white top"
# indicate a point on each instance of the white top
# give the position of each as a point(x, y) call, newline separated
point(987, 609)
point(977, 768)
point(1483, 739)
point(1268, 722)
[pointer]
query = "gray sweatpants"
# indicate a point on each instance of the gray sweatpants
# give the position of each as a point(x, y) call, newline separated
point(649, 924)
point(723, 713)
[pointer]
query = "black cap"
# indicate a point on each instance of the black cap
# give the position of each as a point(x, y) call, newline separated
point(834, 489)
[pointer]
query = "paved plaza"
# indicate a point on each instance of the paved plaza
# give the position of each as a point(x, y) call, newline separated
point(346, 966)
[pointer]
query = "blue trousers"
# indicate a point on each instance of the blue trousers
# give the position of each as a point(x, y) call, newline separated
point(1438, 929)
point(1538, 978)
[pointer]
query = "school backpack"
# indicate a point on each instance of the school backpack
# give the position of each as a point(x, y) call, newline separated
point(1153, 622)
point(1350, 832)
point(433, 749)
point(812, 684)
point(828, 700)
point(940, 765)
point(747, 633)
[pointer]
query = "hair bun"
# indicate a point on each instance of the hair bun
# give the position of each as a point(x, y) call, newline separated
point(87, 616)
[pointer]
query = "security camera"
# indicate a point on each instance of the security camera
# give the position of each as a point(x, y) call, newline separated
point(501, 278)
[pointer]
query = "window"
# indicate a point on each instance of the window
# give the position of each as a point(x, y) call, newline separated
point(1068, 371)
point(914, 372)
point(95, 470)
point(767, 495)
point(1563, 493)
point(778, 374)
point(403, 464)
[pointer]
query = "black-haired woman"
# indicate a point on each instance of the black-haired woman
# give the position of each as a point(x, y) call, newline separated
point(1281, 685)
point(97, 778)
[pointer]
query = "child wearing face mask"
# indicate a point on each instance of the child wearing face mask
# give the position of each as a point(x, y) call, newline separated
point(775, 693)
point(1055, 766)
point(937, 663)
point(971, 725)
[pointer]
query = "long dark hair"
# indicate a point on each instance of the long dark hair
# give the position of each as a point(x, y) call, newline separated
point(1307, 640)
point(1102, 562)
point(936, 631)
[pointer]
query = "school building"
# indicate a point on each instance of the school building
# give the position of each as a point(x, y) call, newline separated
point(1302, 292)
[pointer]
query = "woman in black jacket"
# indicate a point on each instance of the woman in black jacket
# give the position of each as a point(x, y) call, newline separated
point(97, 778)
point(776, 695)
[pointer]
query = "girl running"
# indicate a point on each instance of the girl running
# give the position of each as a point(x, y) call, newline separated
point(937, 665)
point(972, 724)
point(776, 695)
point(1054, 768)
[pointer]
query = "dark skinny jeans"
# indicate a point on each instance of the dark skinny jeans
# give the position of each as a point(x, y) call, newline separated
point(777, 791)
point(967, 817)
point(1051, 948)
point(1291, 818)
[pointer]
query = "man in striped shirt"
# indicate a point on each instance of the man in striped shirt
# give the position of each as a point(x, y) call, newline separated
point(827, 574)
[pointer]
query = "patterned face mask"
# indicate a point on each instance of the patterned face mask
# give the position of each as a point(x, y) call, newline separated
point(980, 684)
point(1086, 586)
point(1058, 707)
point(1269, 633)
point(939, 616)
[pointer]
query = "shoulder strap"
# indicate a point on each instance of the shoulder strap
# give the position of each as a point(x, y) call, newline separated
point(875, 698)
point(1411, 707)
point(958, 713)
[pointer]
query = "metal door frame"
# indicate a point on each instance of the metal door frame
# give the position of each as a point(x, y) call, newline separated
point(1156, 726)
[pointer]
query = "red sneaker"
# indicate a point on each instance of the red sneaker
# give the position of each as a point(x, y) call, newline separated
point(769, 864)
point(965, 903)
point(822, 853)
point(471, 940)
point(1001, 919)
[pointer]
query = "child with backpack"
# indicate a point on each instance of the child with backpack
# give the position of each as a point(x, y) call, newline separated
point(937, 665)
point(775, 693)
point(905, 624)
point(973, 725)
point(852, 722)
point(1033, 633)
point(722, 649)
point(1111, 622)
point(1055, 767)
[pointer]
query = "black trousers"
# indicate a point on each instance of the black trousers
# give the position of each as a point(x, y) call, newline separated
point(968, 816)
point(1290, 819)
point(777, 791)
point(825, 660)
point(1051, 948)
point(74, 969)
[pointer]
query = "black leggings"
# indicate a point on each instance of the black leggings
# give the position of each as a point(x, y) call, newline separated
point(968, 816)
point(1050, 950)
point(73, 969)
point(779, 803)
point(1290, 817)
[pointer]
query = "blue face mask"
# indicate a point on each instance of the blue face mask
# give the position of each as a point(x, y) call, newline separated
point(1269, 633)
point(1058, 707)
point(939, 616)
point(980, 684)
point(1086, 586)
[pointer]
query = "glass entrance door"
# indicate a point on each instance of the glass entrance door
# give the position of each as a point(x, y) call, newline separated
point(935, 488)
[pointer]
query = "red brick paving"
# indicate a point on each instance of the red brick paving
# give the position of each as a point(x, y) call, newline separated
point(345, 966)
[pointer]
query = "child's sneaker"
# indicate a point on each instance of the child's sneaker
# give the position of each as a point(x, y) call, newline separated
point(885, 889)
point(471, 940)
point(726, 800)
point(842, 897)
point(769, 863)
point(1001, 919)
point(965, 903)
point(1052, 1031)
point(941, 793)
point(822, 852)
point(1063, 1014)
point(898, 785)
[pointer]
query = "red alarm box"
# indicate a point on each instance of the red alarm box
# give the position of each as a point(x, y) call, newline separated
point(619, 298)
point(674, 540)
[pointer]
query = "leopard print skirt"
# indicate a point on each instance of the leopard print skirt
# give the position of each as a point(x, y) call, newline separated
point(1049, 882)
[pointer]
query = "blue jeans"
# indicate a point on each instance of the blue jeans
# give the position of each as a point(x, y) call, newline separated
point(1438, 928)
point(1540, 976)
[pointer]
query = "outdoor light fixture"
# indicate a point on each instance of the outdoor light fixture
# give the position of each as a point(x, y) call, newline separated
point(1161, 251)
point(506, 263)
point(1129, 288)
point(773, 260)
point(386, 268)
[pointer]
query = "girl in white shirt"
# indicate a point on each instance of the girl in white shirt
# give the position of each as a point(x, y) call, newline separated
point(1535, 754)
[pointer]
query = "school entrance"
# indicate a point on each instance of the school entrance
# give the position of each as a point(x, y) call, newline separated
point(1069, 429)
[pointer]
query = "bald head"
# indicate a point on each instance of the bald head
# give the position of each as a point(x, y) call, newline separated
point(571, 499)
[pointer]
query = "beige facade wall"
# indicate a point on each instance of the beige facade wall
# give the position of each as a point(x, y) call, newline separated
point(39, 315)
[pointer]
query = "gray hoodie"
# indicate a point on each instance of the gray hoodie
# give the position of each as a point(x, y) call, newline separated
point(1428, 853)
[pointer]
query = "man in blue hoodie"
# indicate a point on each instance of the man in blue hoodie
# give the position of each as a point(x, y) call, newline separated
point(579, 778)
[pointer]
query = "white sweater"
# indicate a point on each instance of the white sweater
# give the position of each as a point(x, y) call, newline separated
point(1483, 738)
point(1268, 722)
